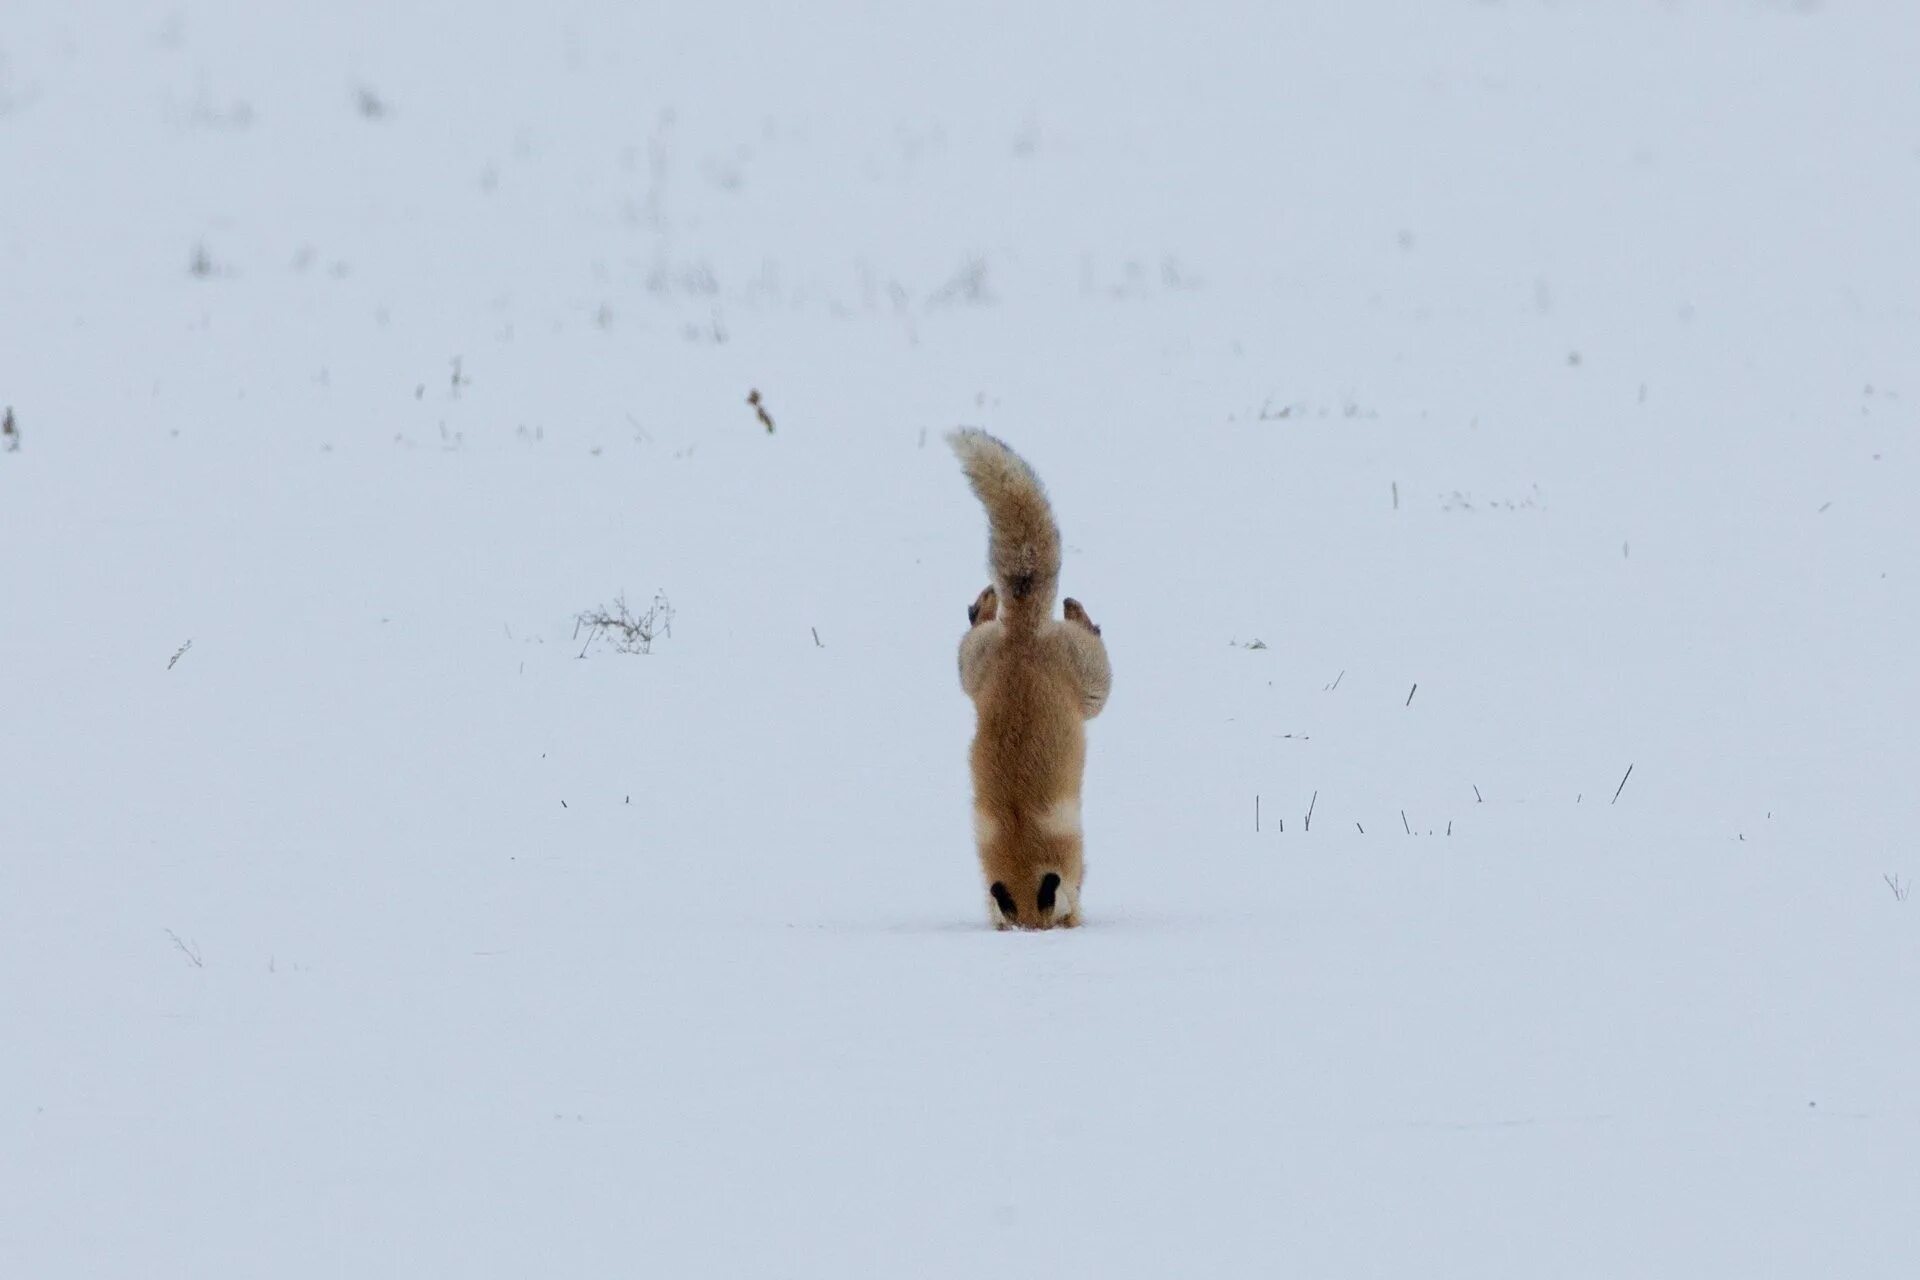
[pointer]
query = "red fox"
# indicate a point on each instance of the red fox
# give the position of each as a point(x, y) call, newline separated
point(1034, 681)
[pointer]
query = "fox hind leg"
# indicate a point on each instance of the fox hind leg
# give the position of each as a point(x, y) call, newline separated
point(1077, 613)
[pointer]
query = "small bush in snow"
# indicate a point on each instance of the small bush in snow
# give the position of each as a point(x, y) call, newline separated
point(630, 632)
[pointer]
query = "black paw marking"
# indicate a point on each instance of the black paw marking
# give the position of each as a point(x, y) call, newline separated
point(1049, 886)
point(1004, 901)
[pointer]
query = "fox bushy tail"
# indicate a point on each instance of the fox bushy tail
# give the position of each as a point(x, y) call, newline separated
point(1023, 547)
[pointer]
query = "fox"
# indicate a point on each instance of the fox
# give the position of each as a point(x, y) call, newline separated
point(1035, 681)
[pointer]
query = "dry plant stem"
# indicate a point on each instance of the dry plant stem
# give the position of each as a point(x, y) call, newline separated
point(760, 409)
point(192, 953)
point(630, 632)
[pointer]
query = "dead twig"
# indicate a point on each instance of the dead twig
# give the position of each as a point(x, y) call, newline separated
point(760, 410)
point(190, 951)
point(630, 632)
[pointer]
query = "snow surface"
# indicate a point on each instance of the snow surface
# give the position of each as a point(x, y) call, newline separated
point(1557, 359)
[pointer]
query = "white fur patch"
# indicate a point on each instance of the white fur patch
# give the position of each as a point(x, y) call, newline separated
point(994, 917)
point(1063, 819)
point(984, 828)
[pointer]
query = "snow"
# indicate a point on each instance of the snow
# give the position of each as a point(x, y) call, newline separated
point(1556, 359)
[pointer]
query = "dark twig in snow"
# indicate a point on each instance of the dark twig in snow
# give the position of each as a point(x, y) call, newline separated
point(178, 654)
point(1623, 785)
point(190, 951)
point(760, 410)
point(1411, 692)
point(1310, 804)
point(631, 632)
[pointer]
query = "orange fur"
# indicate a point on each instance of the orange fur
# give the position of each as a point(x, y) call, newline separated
point(1034, 681)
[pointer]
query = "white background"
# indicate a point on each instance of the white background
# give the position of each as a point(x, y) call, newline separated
point(1558, 358)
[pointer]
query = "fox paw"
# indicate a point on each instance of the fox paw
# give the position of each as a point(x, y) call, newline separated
point(1078, 615)
point(985, 607)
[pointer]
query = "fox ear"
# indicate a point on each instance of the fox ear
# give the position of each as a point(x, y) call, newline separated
point(1004, 901)
point(1049, 885)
